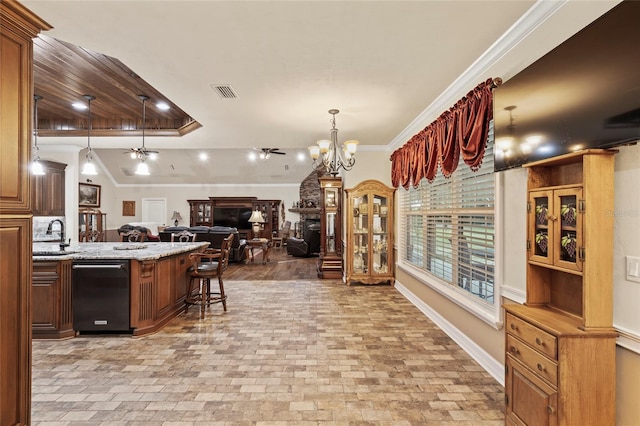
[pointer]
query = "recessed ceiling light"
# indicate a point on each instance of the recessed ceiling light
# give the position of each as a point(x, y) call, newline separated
point(163, 106)
point(301, 156)
point(203, 156)
point(252, 156)
point(79, 105)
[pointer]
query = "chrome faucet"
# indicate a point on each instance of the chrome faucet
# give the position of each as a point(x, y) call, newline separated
point(62, 236)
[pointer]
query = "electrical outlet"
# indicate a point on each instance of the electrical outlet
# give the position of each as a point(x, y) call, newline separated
point(633, 268)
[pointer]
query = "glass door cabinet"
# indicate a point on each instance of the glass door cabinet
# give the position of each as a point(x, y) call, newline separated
point(370, 233)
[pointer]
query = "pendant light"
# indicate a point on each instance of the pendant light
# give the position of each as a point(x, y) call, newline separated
point(36, 165)
point(89, 168)
point(143, 168)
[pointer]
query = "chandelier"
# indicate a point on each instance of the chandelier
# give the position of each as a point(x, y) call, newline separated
point(326, 154)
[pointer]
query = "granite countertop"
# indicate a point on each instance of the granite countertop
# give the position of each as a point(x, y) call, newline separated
point(114, 250)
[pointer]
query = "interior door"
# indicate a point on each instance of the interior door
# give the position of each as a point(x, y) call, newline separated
point(154, 210)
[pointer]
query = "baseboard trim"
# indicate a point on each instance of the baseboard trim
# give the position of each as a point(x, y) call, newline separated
point(486, 361)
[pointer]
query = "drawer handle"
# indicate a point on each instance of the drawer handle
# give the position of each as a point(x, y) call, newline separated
point(513, 326)
point(539, 342)
point(540, 367)
point(550, 409)
point(514, 350)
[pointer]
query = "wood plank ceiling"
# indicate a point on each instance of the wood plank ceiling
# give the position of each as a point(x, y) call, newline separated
point(63, 73)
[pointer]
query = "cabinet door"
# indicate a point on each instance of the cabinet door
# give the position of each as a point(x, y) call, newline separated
point(360, 237)
point(379, 235)
point(55, 192)
point(540, 226)
point(568, 221)
point(529, 400)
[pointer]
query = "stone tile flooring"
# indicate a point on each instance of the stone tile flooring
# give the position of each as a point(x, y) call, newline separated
point(286, 353)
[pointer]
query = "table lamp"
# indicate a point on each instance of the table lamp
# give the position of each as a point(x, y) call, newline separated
point(176, 218)
point(256, 218)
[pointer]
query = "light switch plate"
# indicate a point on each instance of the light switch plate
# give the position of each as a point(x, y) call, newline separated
point(633, 268)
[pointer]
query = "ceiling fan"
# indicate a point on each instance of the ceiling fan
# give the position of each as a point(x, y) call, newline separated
point(142, 153)
point(265, 153)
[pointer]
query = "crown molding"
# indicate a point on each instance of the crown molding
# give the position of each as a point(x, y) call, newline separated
point(520, 30)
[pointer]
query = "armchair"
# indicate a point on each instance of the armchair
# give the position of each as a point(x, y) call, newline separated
point(307, 246)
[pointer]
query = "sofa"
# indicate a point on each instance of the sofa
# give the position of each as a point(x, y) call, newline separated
point(307, 246)
point(214, 235)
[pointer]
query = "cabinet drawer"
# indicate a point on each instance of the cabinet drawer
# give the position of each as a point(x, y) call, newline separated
point(538, 339)
point(537, 362)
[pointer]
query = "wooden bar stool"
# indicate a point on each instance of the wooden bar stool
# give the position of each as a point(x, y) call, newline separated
point(206, 265)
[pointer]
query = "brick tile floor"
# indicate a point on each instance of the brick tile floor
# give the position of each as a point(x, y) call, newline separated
point(286, 353)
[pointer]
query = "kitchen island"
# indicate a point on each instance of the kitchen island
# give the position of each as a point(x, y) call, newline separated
point(157, 283)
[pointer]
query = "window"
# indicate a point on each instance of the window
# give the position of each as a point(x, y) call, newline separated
point(447, 229)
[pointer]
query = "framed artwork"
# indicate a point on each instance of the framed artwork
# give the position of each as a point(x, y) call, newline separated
point(88, 195)
point(128, 208)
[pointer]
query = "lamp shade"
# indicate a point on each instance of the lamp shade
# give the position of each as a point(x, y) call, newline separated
point(89, 168)
point(36, 168)
point(256, 217)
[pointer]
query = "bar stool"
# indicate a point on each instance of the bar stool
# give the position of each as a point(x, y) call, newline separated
point(206, 265)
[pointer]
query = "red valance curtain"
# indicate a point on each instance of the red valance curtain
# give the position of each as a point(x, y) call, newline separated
point(462, 130)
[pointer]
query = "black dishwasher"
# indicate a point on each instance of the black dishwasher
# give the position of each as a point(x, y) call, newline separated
point(101, 295)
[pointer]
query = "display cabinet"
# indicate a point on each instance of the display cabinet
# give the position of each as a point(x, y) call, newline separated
point(330, 259)
point(201, 212)
point(565, 328)
point(370, 233)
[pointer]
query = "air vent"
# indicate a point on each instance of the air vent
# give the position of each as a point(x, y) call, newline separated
point(127, 171)
point(224, 91)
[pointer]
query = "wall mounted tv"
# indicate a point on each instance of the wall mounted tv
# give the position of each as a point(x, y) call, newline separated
point(583, 94)
point(235, 217)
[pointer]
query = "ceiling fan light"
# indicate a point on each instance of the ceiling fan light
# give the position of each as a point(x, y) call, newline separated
point(133, 155)
point(36, 167)
point(153, 156)
point(142, 169)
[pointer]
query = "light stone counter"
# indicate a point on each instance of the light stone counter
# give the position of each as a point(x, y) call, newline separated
point(114, 250)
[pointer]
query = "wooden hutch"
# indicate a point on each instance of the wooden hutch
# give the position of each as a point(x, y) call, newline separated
point(560, 345)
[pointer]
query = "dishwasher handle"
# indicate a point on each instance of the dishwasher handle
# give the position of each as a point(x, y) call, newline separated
point(98, 266)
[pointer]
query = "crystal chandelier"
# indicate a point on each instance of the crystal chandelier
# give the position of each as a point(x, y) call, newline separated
point(326, 154)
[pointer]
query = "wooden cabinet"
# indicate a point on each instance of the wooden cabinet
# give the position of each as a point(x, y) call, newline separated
point(201, 213)
point(370, 233)
point(18, 26)
point(560, 345)
point(48, 192)
point(330, 259)
point(51, 296)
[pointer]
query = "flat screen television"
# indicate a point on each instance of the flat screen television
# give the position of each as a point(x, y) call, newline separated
point(235, 217)
point(583, 94)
